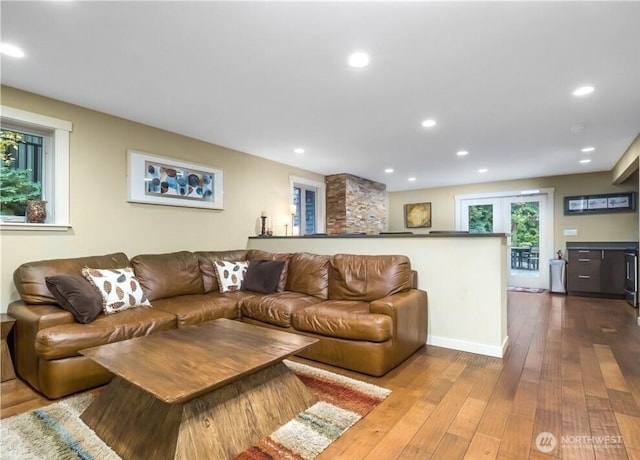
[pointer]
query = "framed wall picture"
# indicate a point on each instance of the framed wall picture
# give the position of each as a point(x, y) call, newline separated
point(598, 204)
point(158, 180)
point(417, 215)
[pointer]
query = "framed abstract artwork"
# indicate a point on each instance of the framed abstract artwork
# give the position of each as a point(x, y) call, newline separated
point(158, 180)
point(417, 215)
point(598, 204)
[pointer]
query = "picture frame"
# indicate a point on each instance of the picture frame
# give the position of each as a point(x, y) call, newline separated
point(153, 179)
point(600, 204)
point(417, 215)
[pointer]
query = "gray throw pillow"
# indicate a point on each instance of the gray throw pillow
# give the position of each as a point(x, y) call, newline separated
point(76, 295)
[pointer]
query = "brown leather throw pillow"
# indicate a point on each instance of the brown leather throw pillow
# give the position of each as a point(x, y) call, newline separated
point(76, 295)
point(263, 276)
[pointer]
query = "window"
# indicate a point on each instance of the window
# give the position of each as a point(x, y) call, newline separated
point(39, 163)
point(309, 199)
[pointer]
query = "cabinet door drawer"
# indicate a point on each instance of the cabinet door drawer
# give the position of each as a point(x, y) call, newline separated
point(586, 269)
point(587, 255)
point(583, 282)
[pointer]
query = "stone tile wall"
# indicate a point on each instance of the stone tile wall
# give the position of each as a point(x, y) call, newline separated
point(355, 205)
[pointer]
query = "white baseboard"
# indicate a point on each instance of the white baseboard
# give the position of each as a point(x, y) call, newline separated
point(473, 347)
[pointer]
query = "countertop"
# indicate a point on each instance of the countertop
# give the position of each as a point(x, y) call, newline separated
point(598, 245)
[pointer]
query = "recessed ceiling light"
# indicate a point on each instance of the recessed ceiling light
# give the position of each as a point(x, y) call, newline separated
point(359, 60)
point(585, 161)
point(483, 170)
point(430, 123)
point(412, 179)
point(388, 170)
point(462, 153)
point(583, 90)
point(298, 150)
point(11, 50)
point(588, 149)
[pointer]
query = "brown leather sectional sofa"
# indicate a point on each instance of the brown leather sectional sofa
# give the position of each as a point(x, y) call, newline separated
point(365, 311)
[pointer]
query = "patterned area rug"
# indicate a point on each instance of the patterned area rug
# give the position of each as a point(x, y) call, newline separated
point(524, 289)
point(56, 431)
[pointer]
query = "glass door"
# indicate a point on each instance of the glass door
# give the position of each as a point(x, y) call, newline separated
point(481, 215)
point(522, 218)
point(304, 221)
point(524, 214)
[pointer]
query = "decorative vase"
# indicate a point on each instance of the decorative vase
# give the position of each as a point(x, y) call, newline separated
point(36, 211)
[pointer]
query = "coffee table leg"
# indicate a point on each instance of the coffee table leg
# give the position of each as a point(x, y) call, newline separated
point(219, 424)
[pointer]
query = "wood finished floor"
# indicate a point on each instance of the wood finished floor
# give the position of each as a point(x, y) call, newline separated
point(572, 369)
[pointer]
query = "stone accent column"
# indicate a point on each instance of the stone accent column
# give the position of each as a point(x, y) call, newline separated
point(355, 205)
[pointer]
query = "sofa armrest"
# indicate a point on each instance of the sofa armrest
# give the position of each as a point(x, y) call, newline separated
point(409, 313)
point(29, 320)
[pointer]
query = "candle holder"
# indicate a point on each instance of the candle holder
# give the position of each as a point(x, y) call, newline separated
point(292, 211)
point(263, 232)
point(286, 228)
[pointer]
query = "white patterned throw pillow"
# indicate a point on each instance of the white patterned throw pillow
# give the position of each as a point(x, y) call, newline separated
point(230, 274)
point(119, 288)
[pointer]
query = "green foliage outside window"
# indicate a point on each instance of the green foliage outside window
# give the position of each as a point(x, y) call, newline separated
point(525, 224)
point(16, 185)
point(481, 218)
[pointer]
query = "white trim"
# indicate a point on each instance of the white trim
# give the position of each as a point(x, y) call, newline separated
point(472, 347)
point(34, 227)
point(34, 118)
point(321, 200)
point(61, 189)
point(57, 192)
point(473, 196)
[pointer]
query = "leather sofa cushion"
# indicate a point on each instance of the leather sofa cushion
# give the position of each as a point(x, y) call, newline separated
point(196, 309)
point(367, 278)
point(168, 275)
point(67, 340)
point(276, 308)
point(208, 271)
point(264, 255)
point(344, 319)
point(29, 278)
point(309, 274)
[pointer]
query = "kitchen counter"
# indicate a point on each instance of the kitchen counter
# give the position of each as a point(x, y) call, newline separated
point(606, 245)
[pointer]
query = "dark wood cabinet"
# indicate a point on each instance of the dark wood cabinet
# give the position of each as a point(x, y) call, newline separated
point(613, 271)
point(596, 271)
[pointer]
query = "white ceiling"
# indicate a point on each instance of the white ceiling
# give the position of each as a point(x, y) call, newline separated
point(267, 77)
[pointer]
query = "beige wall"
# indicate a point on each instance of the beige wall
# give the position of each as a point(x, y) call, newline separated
point(628, 163)
point(597, 227)
point(102, 219)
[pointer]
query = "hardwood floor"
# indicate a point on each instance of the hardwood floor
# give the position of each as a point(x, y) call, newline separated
point(572, 370)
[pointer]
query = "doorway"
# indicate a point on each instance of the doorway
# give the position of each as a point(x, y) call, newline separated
point(527, 220)
point(309, 199)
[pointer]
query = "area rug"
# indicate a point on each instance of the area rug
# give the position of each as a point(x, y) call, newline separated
point(524, 289)
point(56, 431)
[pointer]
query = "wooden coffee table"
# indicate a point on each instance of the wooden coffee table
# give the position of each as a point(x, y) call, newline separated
point(206, 391)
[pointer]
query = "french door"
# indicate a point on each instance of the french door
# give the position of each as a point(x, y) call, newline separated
point(526, 221)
